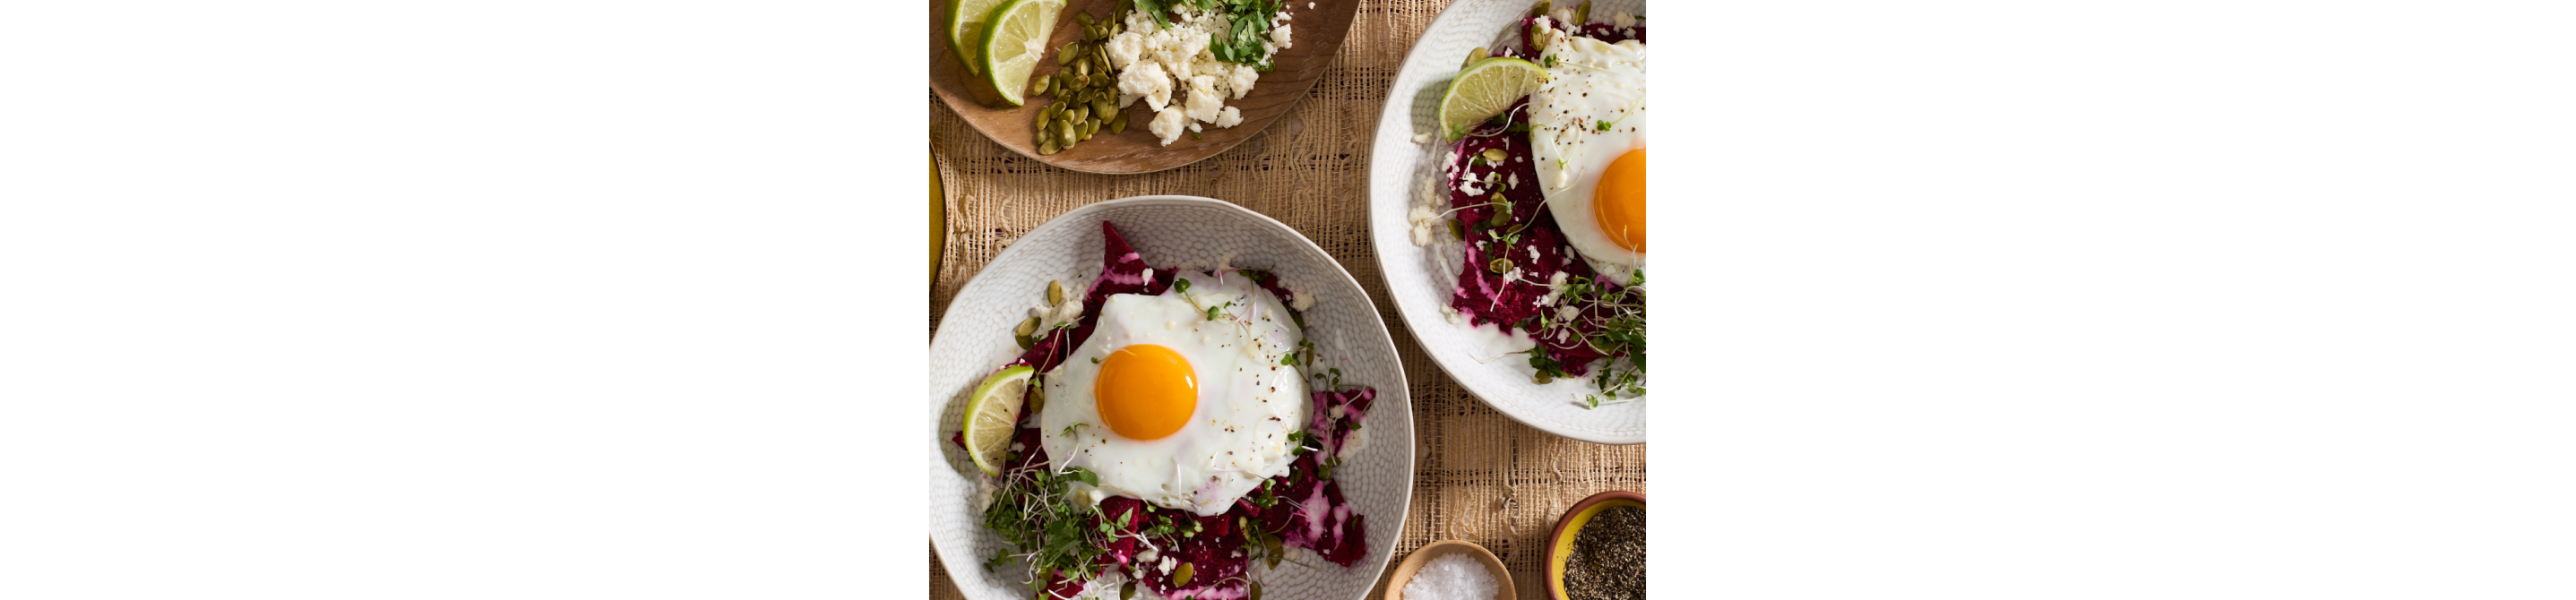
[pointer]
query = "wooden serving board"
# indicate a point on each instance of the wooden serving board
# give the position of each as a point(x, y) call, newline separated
point(1316, 32)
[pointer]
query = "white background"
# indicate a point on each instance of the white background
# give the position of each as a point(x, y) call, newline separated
point(589, 299)
point(460, 299)
point(2188, 299)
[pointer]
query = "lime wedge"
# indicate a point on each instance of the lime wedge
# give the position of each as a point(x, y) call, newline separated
point(1015, 37)
point(992, 412)
point(966, 30)
point(1484, 89)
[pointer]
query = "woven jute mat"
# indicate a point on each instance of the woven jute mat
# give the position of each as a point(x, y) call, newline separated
point(1480, 476)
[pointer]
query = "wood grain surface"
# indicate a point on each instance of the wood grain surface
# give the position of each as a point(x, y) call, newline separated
point(1316, 35)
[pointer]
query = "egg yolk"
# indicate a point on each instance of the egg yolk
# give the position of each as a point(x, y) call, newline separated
point(1619, 201)
point(1145, 392)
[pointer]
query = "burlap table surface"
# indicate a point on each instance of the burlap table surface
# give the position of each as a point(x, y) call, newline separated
point(1480, 476)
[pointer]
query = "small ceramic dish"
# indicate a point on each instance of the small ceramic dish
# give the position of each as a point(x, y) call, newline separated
point(1560, 542)
point(1404, 572)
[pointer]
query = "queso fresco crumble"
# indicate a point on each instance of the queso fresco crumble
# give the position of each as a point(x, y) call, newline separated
point(1178, 70)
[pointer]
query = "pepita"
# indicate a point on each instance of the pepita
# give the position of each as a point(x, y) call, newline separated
point(1583, 13)
point(1496, 155)
point(1081, 112)
point(1475, 55)
point(1499, 266)
point(1539, 10)
point(1055, 293)
point(1181, 576)
point(1118, 124)
point(1044, 149)
point(1064, 56)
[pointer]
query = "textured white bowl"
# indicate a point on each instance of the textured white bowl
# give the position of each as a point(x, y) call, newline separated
point(1415, 278)
point(975, 337)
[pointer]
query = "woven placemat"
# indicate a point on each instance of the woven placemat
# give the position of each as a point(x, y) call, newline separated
point(1481, 476)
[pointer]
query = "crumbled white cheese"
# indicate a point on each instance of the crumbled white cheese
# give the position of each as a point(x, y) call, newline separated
point(1423, 217)
point(1240, 81)
point(1351, 445)
point(1204, 101)
point(1302, 301)
point(1623, 20)
point(1424, 137)
point(1167, 125)
point(1158, 63)
point(1146, 81)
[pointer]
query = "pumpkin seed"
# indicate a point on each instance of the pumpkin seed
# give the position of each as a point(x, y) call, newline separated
point(1500, 266)
point(1103, 107)
point(1045, 148)
point(1082, 67)
point(1082, 17)
point(1118, 124)
point(1081, 112)
point(1583, 13)
point(1064, 130)
point(1127, 592)
point(1457, 229)
point(1028, 327)
point(1055, 293)
point(1181, 576)
point(1496, 155)
point(1475, 55)
point(1540, 10)
point(1037, 395)
point(1064, 56)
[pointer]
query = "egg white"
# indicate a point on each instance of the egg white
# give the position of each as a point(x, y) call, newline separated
point(1590, 82)
point(1248, 403)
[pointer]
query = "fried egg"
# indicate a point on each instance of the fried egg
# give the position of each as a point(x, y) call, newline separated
point(1180, 399)
point(1588, 132)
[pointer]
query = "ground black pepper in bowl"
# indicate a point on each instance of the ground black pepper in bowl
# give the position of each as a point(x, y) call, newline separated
point(1608, 561)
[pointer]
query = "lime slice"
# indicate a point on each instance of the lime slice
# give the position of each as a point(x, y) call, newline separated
point(1015, 37)
point(1484, 89)
point(966, 30)
point(992, 412)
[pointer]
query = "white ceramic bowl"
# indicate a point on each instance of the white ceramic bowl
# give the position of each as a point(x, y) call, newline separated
point(975, 337)
point(1419, 279)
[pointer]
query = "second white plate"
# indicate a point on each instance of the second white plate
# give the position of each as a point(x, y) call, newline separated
point(1400, 168)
